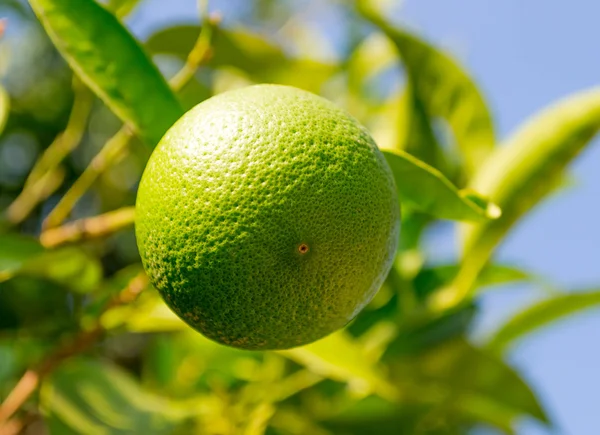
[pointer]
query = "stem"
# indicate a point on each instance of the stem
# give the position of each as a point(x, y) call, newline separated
point(49, 162)
point(201, 51)
point(70, 138)
point(31, 196)
point(32, 377)
point(89, 228)
point(115, 148)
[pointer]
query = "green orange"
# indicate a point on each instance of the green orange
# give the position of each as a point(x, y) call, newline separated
point(267, 217)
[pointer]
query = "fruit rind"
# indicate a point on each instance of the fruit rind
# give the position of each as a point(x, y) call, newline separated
point(234, 190)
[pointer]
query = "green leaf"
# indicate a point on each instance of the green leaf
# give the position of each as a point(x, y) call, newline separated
point(90, 397)
point(444, 90)
point(147, 314)
point(339, 357)
point(70, 267)
point(4, 108)
point(427, 190)
point(15, 250)
point(122, 8)
point(522, 172)
point(8, 363)
point(430, 279)
point(539, 315)
point(444, 389)
point(247, 52)
point(456, 372)
point(110, 61)
point(427, 333)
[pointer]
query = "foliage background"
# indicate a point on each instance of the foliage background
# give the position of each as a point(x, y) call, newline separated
point(510, 48)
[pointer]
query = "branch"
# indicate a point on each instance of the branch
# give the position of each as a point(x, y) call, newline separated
point(32, 377)
point(116, 147)
point(112, 152)
point(201, 51)
point(89, 228)
point(32, 195)
point(37, 187)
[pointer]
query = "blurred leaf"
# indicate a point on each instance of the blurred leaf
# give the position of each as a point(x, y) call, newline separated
point(374, 55)
point(108, 289)
point(250, 53)
point(15, 250)
point(430, 279)
point(539, 315)
point(457, 375)
point(519, 174)
point(4, 108)
point(481, 409)
point(147, 314)
point(362, 417)
point(426, 333)
point(122, 8)
point(427, 190)
point(110, 61)
point(444, 390)
point(420, 138)
point(33, 306)
point(339, 357)
point(8, 363)
point(444, 90)
point(90, 397)
point(181, 364)
point(71, 267)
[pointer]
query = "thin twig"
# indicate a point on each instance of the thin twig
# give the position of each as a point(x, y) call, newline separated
point(200, 52)
point(50, 160)
point(70, 138)
point(24, 204)
point(88, 228)
point(15, 426)
point(30, 381)
point(112, 152)
point(115, 148)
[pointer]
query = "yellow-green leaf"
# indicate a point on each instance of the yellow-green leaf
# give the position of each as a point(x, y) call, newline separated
point(519, 174)
point(147, 314)
point(339, 357)
point(4, 108)
point(85, 396)
point(111, 62)
point(250, 53)
point(461, 371)
point(426, 189)
point(541, 314)
point(443, 89)
point(70, 266)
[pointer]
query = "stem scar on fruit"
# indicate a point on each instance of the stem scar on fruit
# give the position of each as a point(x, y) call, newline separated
point(303, 248)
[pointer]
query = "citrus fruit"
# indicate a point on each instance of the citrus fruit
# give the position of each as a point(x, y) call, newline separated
point(267, 217)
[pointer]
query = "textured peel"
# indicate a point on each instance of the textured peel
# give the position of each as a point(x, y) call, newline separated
point(267, 218)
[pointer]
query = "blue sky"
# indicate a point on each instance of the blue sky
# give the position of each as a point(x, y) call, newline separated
point(524, 55)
